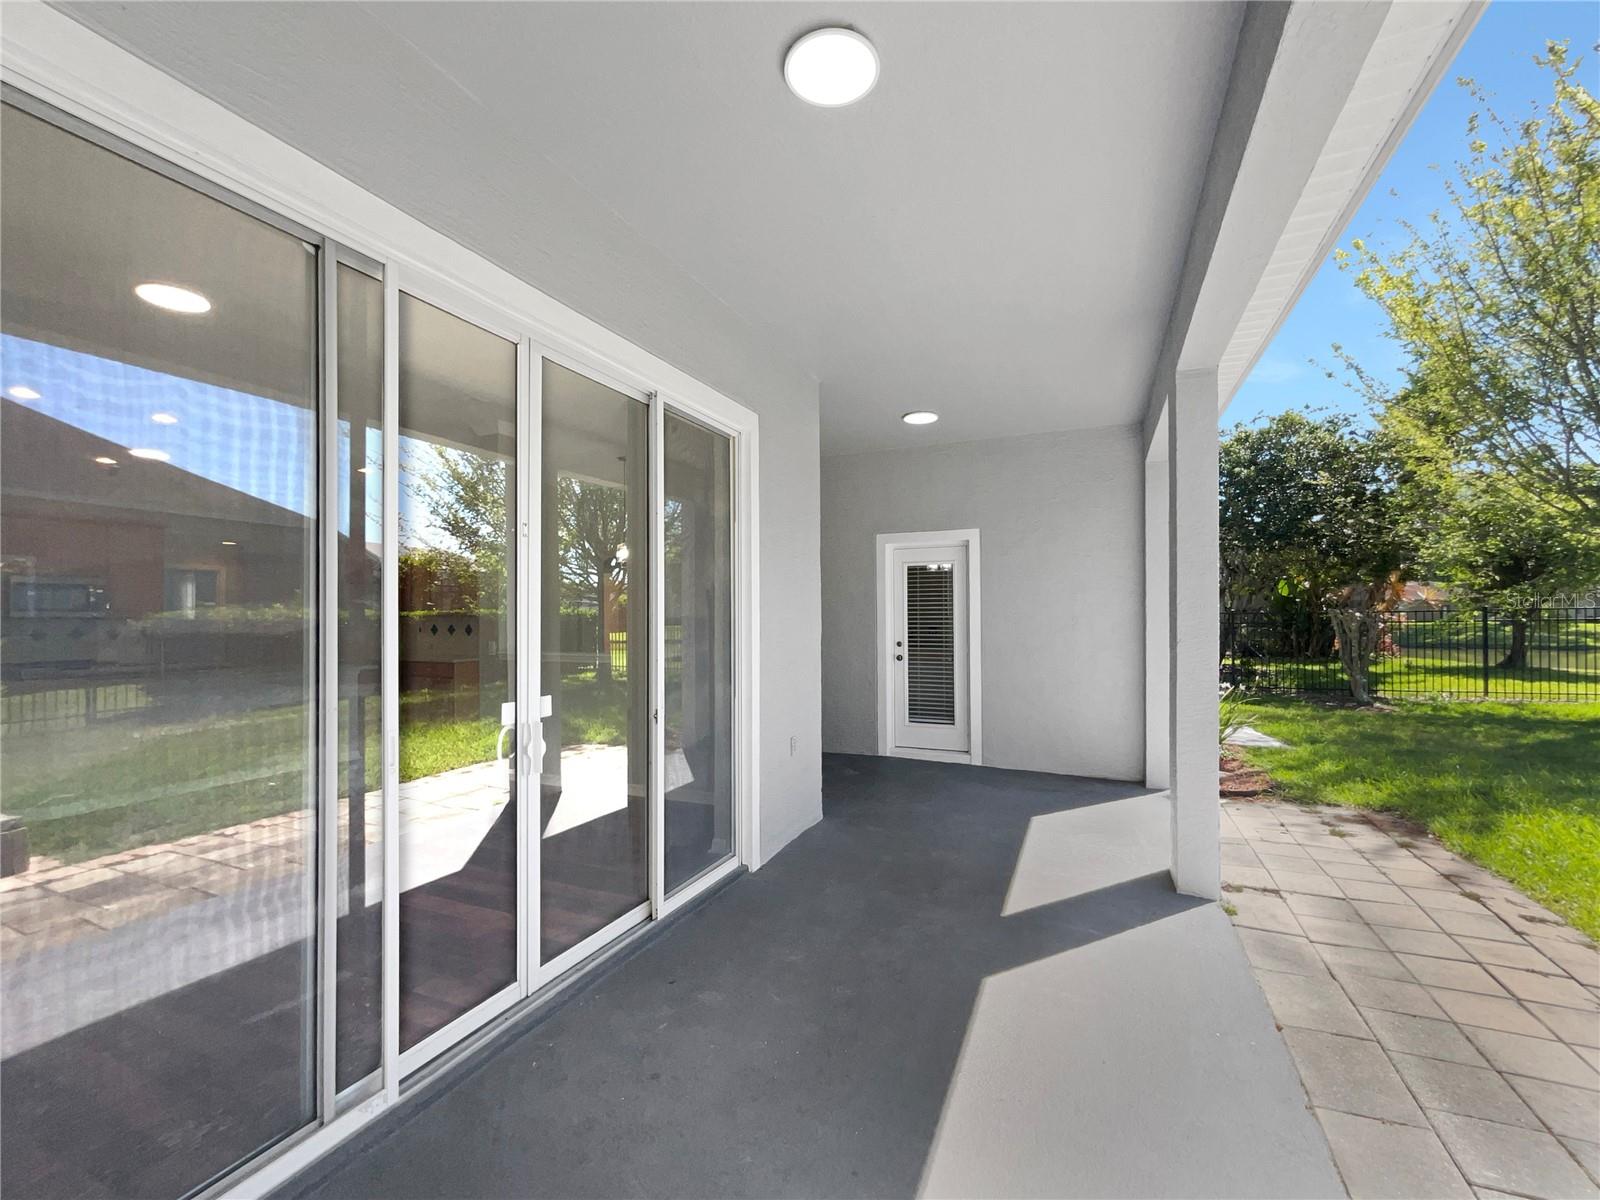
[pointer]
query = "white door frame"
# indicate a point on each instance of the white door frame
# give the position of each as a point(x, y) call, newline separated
point(888, 543)
point(746, 839)
point(440, 294)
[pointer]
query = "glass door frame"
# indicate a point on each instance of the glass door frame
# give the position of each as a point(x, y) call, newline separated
point(743, 800)
point(546, 973)
point(419, 285)
point(331, 1100)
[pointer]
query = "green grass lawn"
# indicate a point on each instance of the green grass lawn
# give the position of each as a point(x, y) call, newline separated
point(121, 784)
point(591, 713)
point(1515, 787)
point(1447, 674)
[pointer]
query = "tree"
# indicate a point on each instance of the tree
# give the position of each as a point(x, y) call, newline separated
point(1501, 553)
point(1497, 305)
point(1317, 511)
point(592, 533)
point(434, 580)
point(465, 494)
point(1274, 490)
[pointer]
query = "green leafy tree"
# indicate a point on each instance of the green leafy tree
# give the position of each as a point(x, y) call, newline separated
point(1498, 551)
point(1496, 303)
point(592, 532)
point(1316, 513)
point(465, 495)
point(434, 580)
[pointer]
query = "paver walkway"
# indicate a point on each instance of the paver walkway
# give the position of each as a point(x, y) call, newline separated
point(1446, 1027)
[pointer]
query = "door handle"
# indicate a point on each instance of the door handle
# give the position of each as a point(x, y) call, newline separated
point(500, 742)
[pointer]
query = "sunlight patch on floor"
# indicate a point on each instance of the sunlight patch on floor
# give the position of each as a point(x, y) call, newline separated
point(445, 817)
point(1142, 1063)
point(1078, 850)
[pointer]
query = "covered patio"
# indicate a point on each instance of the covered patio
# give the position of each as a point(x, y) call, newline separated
point(885, 439)
point(963, 981)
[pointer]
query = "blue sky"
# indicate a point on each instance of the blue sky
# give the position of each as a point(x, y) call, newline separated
point(253, 444)
point(1499, 56)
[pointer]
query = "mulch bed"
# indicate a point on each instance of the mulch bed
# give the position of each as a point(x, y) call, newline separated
point(1241, 781)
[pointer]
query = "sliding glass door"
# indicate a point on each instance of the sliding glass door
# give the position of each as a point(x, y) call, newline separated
point(459, 910)
point(158, 643)
point(595, 658)
point(697, 600)
point(286, 550)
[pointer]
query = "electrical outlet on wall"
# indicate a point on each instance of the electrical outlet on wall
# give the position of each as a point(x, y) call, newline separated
point(794, 744)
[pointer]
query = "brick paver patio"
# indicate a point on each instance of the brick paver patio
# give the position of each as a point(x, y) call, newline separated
point(1446, 1027)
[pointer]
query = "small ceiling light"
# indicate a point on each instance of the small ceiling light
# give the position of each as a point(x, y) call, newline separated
point(172, 298)
point(106, 461)
point(151, 455)
point(920, 418)
point(164, 418)
point(21, 392)
point(831, 67)
point(230, 543)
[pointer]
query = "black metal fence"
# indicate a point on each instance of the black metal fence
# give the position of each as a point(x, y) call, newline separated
point(70, 707)
point(1448, 653)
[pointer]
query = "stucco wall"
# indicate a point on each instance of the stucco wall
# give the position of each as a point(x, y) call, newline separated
point(1061, 523)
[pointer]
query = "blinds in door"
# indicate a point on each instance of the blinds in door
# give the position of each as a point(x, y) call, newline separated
point(930, 644)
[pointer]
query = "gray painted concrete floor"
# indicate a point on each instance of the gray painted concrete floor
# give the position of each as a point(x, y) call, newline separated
point(964, 981)
point(1447, 1027)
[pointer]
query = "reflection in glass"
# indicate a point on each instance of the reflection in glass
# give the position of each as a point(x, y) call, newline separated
point(359, 990)
point(458, 832)
point(697, 578)
point(595, 638)
point(156, 671)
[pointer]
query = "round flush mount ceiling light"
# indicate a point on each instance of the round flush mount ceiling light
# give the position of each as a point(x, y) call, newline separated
point(920, 418)
point(831, 67)
point(173, 298)
point(163, 418)
point(150, 455)
point(22, 392)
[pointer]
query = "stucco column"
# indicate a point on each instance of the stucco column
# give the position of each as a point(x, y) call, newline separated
point(1192, 621)
point(1157, 623)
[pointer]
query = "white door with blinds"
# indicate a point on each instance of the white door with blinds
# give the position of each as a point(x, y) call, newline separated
point(928, 651)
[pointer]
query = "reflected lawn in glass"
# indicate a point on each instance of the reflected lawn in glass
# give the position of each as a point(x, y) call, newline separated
point(83, 797)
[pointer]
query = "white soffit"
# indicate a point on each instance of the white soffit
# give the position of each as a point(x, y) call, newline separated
point(1413, 49)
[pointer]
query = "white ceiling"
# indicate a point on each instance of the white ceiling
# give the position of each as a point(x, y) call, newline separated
point(994, 233)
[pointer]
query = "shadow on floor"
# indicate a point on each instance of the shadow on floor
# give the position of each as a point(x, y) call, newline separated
point(963, 981)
